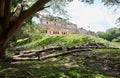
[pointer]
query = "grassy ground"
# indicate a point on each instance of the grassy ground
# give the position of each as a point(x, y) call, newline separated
point(100, 63)
point(65, 41)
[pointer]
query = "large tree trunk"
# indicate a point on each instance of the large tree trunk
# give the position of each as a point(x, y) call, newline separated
point(2, 49)
point(2, 53)
point(9, 27)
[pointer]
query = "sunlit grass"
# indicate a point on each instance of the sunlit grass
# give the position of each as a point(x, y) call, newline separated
point(66, 40)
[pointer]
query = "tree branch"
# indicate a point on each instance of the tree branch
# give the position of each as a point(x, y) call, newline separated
point(64, 53)
point(117, 1)
point(37, 6)
point(7, 14)
point(16, 9)
point(22, 6)
point(18, 57)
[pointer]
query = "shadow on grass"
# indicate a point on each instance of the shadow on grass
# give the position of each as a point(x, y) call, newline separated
point(90, 65)
point(107, 64)
point(45, 71)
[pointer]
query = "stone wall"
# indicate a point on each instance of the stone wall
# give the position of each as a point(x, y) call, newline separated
point(54, 27)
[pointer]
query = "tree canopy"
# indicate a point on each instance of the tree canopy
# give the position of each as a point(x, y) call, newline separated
point(111, 34)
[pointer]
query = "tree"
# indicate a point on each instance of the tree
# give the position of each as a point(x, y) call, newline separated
point(11, 20)
point(13, 15)
point(9, 23)
point(116, 39)
point(110, 34)
point(118, 21)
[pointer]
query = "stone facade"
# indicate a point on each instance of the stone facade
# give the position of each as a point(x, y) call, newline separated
point(57, 27)
point(82, 31)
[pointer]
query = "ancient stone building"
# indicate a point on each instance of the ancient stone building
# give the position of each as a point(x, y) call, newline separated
point(58, 27)
point(82, 31)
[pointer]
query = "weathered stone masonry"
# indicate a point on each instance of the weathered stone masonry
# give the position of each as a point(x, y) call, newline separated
point(55, 27)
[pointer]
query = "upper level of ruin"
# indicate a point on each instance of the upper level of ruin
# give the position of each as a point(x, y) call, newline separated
point(56, 23)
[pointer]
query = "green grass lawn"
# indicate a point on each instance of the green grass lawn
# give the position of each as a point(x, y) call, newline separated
point(65, 41)
point(91, 64)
